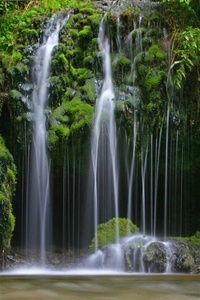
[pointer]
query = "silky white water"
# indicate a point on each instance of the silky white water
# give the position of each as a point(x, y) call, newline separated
point(104, 140)
point(38, 190)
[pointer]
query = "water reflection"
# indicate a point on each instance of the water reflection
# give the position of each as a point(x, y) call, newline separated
point(126, 287)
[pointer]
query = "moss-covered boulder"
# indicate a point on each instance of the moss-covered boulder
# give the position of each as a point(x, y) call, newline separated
point(183, 260)
point(107, 231)
point(155, 257)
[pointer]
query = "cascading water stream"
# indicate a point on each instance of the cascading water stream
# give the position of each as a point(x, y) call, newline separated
point(38, 206)
point(138, 45)
point(156, 174)
point(104, 127)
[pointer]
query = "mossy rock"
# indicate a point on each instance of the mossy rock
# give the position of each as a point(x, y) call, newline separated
point(88, 61)
point(107, 231)
point(89, 91)
point(133, 253)
point(154, 79)
point(183, 260)
point(123, 61)
point(157, 52)
point(73, 33)
point(71, 118)
point(85, 34)
point(155, 257)
point(149, 58)
point(95, 20)
point(30, 34)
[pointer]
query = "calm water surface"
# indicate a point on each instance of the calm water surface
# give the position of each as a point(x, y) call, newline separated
point(126, 287)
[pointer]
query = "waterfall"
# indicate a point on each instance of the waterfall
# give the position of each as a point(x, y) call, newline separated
point(104, 143)
point(138, 46)
point(38, 196)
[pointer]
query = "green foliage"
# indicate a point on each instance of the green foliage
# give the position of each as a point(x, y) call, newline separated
point(85, 35)
point(16, 94)
point(197, 235)
point(153, 79)
point(7, 187)
point(192, 240)
point(7, 222)
point(187, 56)
point(95, 20)
point(107, 231)
point(71, 118)
point(88, 91)
point(179, 15)
point(124, 61)
point(30, 34)
point(87, 10)
point(180, 1)
point(2, 77)
point(157, 52)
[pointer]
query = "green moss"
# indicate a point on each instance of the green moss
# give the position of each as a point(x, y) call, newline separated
point(155, 257)
point(149, 57)
point(80, 74)
point(88, 91)
point(73, 33)
point(7, 222)
point(71, 118)
point(80, 116)
point(154, 17)
point(7, 187)
point(107, 231)
point(87, 10)
point(95, 20)
point(193, 240)
point(157, 52)
point(88, 61)
point(86, 33)
point(142, 70)
point(30, 34)
point(58, 131)
point(197, 235)
point(2, 77)
point(155, 33)
point(124, 61)
point(152, 81)
point(161, 55)
point(9, 60)
point(63, 60)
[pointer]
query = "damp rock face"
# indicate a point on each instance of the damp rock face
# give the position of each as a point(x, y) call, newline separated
point(145, 256)
point(133, 255)
point(183, 259)
point(155, 257)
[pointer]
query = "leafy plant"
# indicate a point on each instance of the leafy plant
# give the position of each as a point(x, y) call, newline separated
point(187, 57)
point(183, 23)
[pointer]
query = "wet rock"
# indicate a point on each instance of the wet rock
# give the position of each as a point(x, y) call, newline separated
point(183, 260)
point(133, 255)
point(155, 257)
